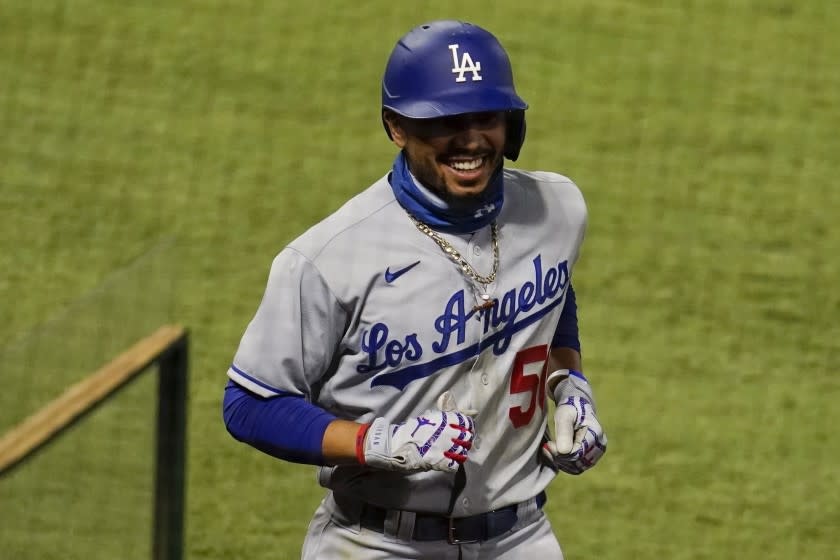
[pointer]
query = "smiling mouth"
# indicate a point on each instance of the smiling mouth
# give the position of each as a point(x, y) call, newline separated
point(467, 167)
point(466, 164)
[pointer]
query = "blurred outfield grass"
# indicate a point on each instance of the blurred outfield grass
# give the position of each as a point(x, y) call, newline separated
point(703, 134)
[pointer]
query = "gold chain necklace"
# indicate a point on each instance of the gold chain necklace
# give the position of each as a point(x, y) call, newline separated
point(465, 267)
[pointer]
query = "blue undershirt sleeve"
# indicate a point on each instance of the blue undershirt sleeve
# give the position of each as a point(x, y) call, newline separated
point(566, 333)
point(286, 426)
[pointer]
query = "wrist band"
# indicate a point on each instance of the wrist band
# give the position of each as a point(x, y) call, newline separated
point(552, 385)
point(360, 443)
point(561, 373)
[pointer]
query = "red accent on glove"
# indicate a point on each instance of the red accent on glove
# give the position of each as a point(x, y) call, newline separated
point(463, 443)
point(457, 457)
point(360, 443)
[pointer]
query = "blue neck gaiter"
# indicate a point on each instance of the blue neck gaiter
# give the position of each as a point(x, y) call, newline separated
point(447, 219)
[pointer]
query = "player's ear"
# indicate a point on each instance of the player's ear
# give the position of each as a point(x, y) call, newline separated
point(395, 131)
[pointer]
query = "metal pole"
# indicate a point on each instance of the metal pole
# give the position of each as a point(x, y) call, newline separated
point(170, 464)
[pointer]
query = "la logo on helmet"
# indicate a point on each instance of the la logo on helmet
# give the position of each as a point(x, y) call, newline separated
point(466, 65)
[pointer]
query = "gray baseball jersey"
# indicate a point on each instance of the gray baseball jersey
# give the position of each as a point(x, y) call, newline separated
point(365, 316)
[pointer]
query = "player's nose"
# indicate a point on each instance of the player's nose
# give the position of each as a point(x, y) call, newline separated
point(468, 137)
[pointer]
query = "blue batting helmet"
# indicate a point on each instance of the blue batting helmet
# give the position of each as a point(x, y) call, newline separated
point(448, 67)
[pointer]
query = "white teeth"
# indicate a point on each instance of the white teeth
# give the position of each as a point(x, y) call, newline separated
point(467, 165)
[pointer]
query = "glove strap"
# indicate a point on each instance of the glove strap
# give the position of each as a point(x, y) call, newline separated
point(562, 375)
point(579, 375)
point(360, 443)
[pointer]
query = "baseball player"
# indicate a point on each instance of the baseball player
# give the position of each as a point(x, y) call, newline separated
point(407, 343)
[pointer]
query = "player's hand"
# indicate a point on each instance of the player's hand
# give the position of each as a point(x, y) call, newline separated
point(436, 440)
point(579, 440)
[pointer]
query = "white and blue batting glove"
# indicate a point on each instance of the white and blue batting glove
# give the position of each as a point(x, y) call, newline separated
point(436, 440)
point(579, 440)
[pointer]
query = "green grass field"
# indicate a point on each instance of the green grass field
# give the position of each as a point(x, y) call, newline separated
point(704, 136)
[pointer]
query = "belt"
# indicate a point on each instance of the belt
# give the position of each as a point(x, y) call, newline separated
point(454, 530)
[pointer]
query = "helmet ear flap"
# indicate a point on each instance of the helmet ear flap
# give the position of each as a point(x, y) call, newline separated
point(514, 133)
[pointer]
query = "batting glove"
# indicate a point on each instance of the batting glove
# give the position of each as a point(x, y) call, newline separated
point(579, 440)
point(436, 440)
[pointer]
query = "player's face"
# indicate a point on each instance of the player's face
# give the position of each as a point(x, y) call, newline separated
point(455, 155)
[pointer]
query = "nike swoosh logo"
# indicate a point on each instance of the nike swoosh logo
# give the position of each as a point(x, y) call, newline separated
point(391, 276)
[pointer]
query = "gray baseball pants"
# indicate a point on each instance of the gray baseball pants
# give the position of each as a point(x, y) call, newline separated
point(336, 533)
